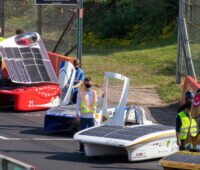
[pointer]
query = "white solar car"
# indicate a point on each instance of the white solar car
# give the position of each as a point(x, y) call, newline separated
point(141, 141)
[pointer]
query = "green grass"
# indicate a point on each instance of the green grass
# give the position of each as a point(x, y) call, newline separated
point(148, 66)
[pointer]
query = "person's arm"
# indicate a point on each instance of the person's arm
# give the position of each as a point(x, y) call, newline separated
point(95, 99)
point(78, 103)
point(178, 128)
point(177, 139)
point(78, 84)
point(80, 81)
point(95, 95)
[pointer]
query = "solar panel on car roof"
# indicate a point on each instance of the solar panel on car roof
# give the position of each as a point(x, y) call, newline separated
point(28, 65)
point(125, 133)
point(182, 157)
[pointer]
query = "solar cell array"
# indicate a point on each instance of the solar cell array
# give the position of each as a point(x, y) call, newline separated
point(186, 158)
point(27, 65)
point(124, 133)
point(64, 111)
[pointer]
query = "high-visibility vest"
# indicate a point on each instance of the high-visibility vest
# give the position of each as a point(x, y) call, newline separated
point(85, 107)
point(1, 39)
point(186, 126)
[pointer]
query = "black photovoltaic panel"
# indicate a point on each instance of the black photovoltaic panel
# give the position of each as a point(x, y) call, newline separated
point(9, 69)
point(33, 73)
point(9, 53)
point(50, 70)
point(125, 133)
point(181, 157)
point(44, 73)
point(63, 111)
point(16, 53)
point(27, 65)
point(22, 71)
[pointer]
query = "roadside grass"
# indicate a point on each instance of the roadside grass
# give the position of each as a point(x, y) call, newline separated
point(154, 66)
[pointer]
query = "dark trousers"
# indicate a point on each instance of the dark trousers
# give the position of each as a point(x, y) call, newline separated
point(84, 124)
point(74, 97)
point(182, 147)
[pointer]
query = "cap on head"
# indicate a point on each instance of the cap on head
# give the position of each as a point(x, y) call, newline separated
point(87, 79)
point(189, 95)
point(76, 62)
point(19, 31)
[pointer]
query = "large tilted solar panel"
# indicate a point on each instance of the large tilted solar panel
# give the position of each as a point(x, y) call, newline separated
point(185, 158)
point(65, 111)
point(27, 65)
point(124, 133)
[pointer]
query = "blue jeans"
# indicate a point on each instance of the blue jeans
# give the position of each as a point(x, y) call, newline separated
point(84, 124)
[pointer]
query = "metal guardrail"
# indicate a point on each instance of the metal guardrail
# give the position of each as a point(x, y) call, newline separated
point(8, 163)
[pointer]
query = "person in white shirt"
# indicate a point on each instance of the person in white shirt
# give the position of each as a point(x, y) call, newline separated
point(86, 107)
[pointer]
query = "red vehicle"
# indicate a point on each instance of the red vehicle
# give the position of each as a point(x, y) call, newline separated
point(29, 74)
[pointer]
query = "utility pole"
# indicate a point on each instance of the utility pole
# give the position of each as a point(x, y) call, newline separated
point(80, 30)
point(2, 17)
point(39, 19)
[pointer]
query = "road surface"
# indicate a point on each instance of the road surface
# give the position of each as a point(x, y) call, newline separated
point(22, 137)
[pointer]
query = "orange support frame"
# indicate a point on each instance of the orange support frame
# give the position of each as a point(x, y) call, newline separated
point(189, 84)
point(56, 59)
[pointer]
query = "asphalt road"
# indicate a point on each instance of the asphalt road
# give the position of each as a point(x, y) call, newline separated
point(22, 137)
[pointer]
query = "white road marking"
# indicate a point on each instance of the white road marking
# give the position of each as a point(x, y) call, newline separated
point(4, 138)
point(38, 139)
point(33, 115)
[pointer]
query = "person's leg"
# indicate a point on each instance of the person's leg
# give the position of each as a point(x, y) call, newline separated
point(0, 68)
point(90, 122)
point(74, 97)
point(83, 125)
point(182, 147)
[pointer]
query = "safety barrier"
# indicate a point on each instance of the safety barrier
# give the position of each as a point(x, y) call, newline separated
point(56, 59)
point(7, 163)
point(189, 84)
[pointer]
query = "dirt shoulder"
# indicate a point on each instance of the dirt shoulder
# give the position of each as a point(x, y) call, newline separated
point(158, 111)
point(146, 96)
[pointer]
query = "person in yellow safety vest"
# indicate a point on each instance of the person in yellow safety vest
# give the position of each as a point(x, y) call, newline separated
point(1, 39)
point(86, 107)
point(184, 124)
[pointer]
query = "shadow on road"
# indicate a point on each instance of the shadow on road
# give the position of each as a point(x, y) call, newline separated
point(100, 162)
point(7, 109)
point(108, 159)
point(40, 131)
point(165, 115)
point(76, 157)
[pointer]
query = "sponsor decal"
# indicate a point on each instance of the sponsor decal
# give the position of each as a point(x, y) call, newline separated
point(196, 101)
point(168, 143)
point(30, 103)
point(140, 155)
point(105, 118)
point(157, 144)
point(110, 113)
